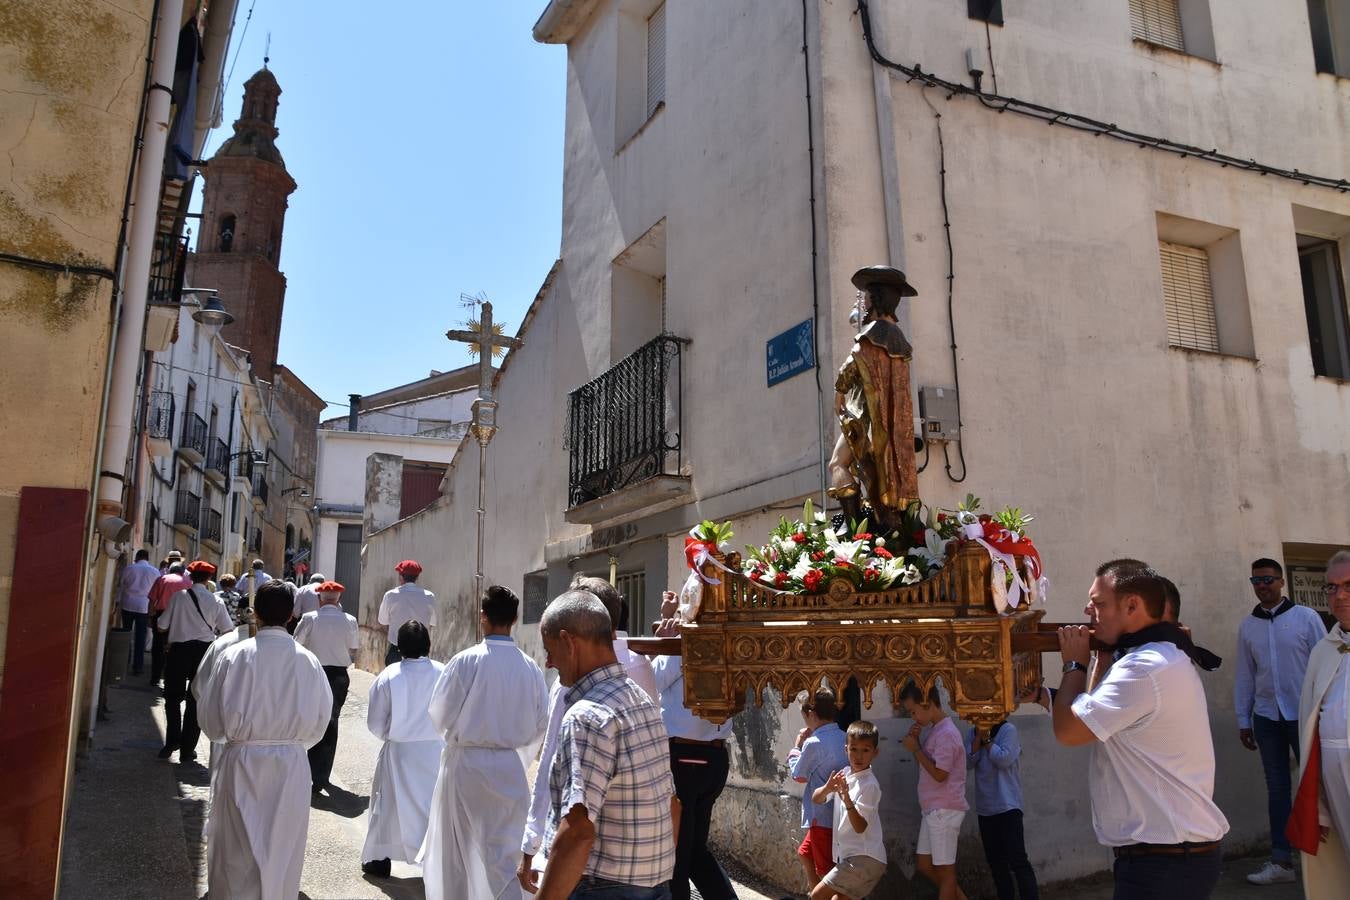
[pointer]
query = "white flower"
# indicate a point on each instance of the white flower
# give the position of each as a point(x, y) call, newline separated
point(802, 567)
point(934, 550)
point(880, 542)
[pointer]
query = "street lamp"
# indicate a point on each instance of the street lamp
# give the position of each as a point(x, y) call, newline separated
point(212, 313)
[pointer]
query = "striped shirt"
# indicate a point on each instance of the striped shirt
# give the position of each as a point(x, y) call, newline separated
point(613, 758)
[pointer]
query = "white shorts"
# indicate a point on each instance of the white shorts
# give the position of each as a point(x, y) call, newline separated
point(938, 835)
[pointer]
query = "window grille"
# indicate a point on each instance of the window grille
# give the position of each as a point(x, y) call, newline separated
point(1158, 22)
point(632, 586)
point(535, 599)
point(656, 59)
point(1188, 297)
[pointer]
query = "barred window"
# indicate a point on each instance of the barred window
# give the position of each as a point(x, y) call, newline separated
point(1188, 296)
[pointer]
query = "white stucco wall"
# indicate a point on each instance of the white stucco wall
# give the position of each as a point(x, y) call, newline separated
point(1074, 406)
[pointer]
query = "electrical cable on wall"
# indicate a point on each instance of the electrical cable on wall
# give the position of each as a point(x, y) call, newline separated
point(1051, 116)
point(815, 260)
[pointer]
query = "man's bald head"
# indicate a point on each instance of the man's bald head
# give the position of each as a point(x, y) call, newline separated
point(581, 614)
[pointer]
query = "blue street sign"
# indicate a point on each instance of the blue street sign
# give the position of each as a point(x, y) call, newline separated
point(791, 352)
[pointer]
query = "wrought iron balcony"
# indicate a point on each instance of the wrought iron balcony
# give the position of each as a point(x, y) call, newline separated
point(193, 443)
point(187, 509)
point(210, 530)
point(623, 428)
point(218, 457)
point(159, 421)
point(260, 486)
point(243, 465)
point(168, 262)
point(255, 542)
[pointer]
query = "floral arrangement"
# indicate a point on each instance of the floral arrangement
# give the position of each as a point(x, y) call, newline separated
point(804, 555)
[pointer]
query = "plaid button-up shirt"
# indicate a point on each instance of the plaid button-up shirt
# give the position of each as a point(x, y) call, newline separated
point(613, 758)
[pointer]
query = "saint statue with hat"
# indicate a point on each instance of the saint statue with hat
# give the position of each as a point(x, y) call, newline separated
point(874, 455)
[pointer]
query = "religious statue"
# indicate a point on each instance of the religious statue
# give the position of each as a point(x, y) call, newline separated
point(875, 451)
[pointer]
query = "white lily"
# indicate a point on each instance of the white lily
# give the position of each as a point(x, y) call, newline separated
point(934, 550)
point(847, 549)
point(801, 568)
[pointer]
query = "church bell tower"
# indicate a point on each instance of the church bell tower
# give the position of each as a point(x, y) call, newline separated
point(243, 215)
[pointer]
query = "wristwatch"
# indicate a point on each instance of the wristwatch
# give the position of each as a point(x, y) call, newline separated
point(1074, 665)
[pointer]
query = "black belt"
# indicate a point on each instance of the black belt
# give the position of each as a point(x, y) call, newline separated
point(1185, 848)
point(716, 742)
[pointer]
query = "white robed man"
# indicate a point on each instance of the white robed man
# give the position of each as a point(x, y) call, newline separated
point(637, 667)
point(267, 700)
point(333, 636)
point(489, 702)
point(405, 603)
point(1320, 822)
point(246, 628)
point(398, 713)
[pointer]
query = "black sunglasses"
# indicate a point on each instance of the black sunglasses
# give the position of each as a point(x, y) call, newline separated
point(1264, 579)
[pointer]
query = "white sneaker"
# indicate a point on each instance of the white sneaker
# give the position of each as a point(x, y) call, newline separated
point(1273, 873)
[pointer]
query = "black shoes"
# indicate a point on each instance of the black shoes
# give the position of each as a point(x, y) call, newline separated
point(165, 753)
point(379, 868)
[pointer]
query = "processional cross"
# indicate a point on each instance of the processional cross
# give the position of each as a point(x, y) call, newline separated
point(487, 341)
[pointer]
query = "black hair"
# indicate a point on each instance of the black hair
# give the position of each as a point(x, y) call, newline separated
point(142, 554)
point(273, 603)
point(1172, 596)
point(414, 641)
point(500, 605)
point(1132, 576)
point(822, 703)
point(1265, 563)
point(912, 693)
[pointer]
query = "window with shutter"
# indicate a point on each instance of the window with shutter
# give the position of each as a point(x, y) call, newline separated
point(656, 59)
point(1188, 297)
point(1158, 22)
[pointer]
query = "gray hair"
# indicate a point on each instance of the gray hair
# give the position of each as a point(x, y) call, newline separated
point(608, 594)
point(1339, 558)
point(316, 578)
point(581, 614)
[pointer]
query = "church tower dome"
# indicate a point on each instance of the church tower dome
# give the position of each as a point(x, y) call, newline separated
point(244, 204)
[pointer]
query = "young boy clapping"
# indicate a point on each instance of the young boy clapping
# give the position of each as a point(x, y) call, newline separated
point(859, 853)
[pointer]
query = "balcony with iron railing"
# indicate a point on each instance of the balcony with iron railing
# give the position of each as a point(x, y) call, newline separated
point(623, 435)
point(260, 487)
point(159, 420)
point(210, 530)
point(243, 465)
point(217, 458)
point(193, 442)
point(255, 541)
point(168, 264)
point(187, 510)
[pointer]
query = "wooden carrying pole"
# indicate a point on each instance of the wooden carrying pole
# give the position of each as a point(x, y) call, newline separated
point(1045, 640)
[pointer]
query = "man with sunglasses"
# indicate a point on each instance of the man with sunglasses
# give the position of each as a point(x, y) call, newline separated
point(1272, 657)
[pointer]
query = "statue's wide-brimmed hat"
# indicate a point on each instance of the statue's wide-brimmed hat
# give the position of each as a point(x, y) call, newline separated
point(883, 275)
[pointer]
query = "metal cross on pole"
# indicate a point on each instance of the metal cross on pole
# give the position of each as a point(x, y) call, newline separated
point(486, 340)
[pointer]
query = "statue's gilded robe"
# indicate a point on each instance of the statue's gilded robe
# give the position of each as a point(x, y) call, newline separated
point(877, 418)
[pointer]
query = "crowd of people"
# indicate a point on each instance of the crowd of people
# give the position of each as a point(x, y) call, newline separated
point(627, 776)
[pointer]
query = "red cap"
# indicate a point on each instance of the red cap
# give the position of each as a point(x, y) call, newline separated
point(331, 587)
point(409, 567)
point(201, 565)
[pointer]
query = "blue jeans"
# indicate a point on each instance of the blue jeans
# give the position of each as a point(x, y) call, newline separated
point(1171, 877)
point(1276, 740)
point(139, 624)
point(591, 888)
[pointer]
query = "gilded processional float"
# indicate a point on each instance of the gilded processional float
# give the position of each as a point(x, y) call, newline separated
point(888, 590)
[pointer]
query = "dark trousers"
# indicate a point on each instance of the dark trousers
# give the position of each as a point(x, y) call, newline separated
point(1277, 739)
point(159, 647)
point(592, 888)
point(180, 668)
point(321, 754)
point(700, 773)
point(392, 655)
point(1170, 877)
point(138, 623)
point(1005, 850)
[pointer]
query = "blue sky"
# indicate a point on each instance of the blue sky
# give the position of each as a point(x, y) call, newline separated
point(427, 145)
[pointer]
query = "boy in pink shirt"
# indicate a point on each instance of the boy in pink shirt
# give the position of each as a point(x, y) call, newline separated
point(941, 755)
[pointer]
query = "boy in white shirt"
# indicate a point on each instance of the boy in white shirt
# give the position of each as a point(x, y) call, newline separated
point(859, 852)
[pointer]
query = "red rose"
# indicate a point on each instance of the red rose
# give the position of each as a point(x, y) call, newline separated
point(799, 538)
point(818, 556)
point(863, 536)
point(884, 553)
point(869, 575)
point(780, 579)
point(812, 579)
point(942, 517)
point(841, 562)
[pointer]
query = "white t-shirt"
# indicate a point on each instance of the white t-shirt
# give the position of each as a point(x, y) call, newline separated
point(184, 622)
point(405, 603)
point(1152, 774)
point(329, 633)
point(865, 793)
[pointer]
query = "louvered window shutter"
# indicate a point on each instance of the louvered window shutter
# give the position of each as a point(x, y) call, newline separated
point(656, 59)
point(1158, 22)
point(1188, 298)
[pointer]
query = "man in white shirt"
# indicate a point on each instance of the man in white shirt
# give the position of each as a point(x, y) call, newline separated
point(193, 619)
point(257, 576)
point(1152, 765)
point(1272, 656)
point(332, 636)
point(134, 598)
point(307, 597)
point(405, 603)
point(398, 713)
point(266, 700)
point(699, 764)
point(489, 702)
point(1320, 824)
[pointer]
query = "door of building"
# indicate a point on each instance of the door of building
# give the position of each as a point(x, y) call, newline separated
point(347, 568)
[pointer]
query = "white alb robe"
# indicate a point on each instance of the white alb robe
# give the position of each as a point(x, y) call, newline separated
point(1326, 874)
point(405, 773)
point(204, 670)
point(489, 702)
point(267, 699)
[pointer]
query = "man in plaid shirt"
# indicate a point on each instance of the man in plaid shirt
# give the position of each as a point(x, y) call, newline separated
point(613, 816)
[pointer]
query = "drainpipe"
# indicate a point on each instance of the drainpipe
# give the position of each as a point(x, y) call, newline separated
point(353, 411)
point(140, 247)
